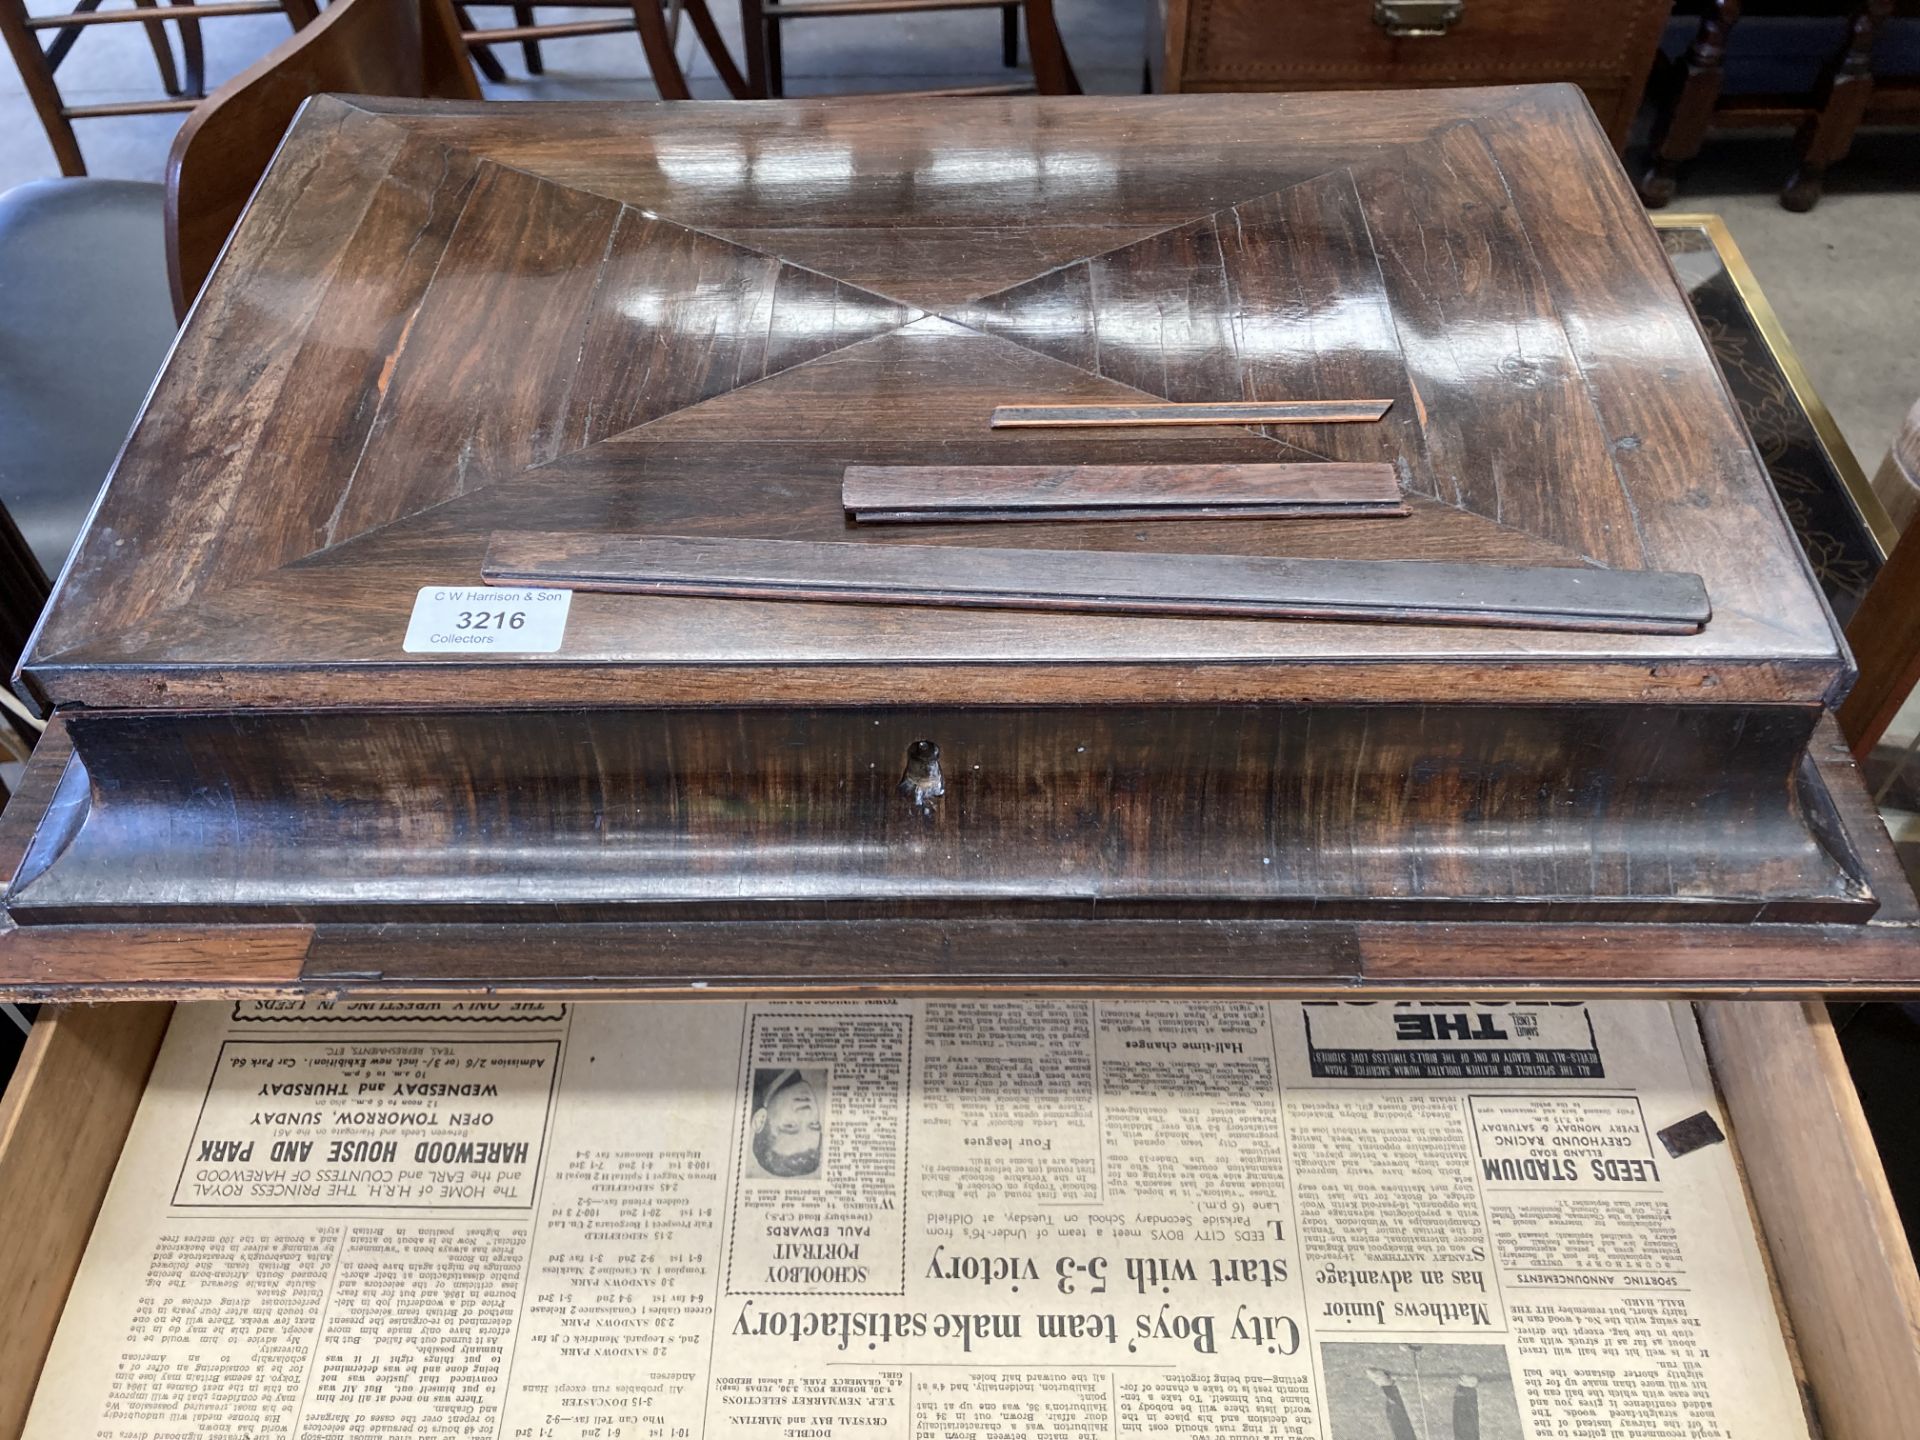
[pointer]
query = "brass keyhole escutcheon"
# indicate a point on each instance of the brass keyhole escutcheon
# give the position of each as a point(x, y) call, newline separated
point(921, 782)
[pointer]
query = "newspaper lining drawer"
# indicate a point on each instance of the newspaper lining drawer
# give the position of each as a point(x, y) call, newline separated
point(1845, 1276)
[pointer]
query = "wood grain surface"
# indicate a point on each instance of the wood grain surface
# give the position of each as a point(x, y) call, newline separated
point(931, 494)
point(376, 47)
point(441, 321)
point(1270, 412)
point(1838, 1246)
point(831, 959)
point(711, 342)
point(784, 813)
point(852, 572)
point(1607, 48)
point(63, 1119)
point(1885, 634)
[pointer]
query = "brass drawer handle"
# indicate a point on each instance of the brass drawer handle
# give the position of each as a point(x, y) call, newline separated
point(1417, 17)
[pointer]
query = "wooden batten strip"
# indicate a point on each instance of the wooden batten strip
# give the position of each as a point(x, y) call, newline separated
point(1132, 582)
point(1266, 412)
point(906, 494)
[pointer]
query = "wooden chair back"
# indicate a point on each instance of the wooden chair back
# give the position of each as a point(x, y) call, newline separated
point(21, 31)
point(356, 47)
point(1885, 630)
point(1053, 74)
point(1897, 482)
point(647, 17)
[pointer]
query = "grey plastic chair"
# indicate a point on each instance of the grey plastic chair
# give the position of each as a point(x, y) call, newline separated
point(85, 320)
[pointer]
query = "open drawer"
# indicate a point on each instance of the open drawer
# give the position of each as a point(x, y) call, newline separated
point(1846, 1284)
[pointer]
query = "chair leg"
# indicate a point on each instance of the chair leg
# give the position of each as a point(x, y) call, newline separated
point(776, 76)
point(486, 64)
point(1845, 88)
point(668, 78)
point(193, 53)
point(753, 33)
point(63, 39)
point(1052, 71)
point(1683, 126)
point(529, 49)
point(481, 52)
point(715, 44)
point(162, 49)
point(31, 61)
point(1010, 36)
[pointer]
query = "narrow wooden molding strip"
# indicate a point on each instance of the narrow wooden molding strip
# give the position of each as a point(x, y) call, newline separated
point(908, 494)
point(1261, 587)
point(1269, 412)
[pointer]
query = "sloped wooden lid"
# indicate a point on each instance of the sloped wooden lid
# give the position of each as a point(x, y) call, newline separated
point(441, 321)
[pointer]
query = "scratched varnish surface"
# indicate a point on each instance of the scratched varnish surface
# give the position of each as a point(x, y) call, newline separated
point(439, 324)
point(441, 321)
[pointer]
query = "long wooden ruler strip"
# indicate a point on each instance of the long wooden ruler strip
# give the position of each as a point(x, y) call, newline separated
point(1395, 591)
point(926, 494)
point(1269, 412)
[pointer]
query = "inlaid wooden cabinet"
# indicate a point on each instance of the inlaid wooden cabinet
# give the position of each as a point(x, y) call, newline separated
point(531, 331)
point(1605, 47)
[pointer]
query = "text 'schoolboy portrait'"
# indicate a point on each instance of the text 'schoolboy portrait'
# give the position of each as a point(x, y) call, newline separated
point(788, 1124)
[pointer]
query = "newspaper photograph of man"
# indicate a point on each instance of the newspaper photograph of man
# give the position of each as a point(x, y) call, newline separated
point(1420, 1392)
point(789, 1122)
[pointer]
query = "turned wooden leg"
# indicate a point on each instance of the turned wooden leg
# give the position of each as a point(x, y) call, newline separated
point(715, 45)
point(31, 61)
point(1684, 124)
point(668, 78)
point(1052, 71)
point(1839, 105)
point(529, 49)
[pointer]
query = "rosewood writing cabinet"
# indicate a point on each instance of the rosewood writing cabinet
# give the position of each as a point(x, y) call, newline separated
point(442, 331)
